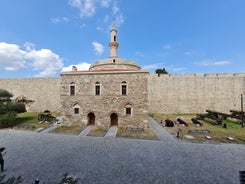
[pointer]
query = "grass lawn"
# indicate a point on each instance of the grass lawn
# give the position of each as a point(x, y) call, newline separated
point(146, 134)
point(29, 118)
point(71, 129)
point(99, 131)
point(217, 132)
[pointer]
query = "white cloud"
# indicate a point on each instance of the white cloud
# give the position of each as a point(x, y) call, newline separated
point(57, 20)
point(98, 48)
point(213, 63)
point(12, 57)
point(106, 18)
point(105, 3)
point(98, 28)
point(45, 60)
point(117, 15)
point(29, 46)
point(178, 69)
point(75, 3)
point(65, 19)
point(86, 7)
point(152, 66)
point(83, 26)
point(115, 9)
point(81, 66)
point(137, 53)
point(167, 46)
point(119, 20)
point(188, 53)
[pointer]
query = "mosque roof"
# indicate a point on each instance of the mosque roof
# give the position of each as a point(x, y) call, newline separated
point(114, 63)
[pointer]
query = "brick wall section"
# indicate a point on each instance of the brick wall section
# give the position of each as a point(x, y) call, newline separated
point(195, 93)
point(44, 91)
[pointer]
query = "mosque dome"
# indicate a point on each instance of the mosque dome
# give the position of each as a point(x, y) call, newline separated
point(115, 64)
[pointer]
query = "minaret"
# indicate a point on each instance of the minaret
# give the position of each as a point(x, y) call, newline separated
point(113, 44)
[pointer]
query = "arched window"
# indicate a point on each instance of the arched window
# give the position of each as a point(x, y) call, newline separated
point(72, 89)
point(128, 110)
point(124, 88)
point(76, 109)
point(97, 88)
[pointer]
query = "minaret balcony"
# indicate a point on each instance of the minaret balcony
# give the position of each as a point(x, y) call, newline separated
point(114, 44)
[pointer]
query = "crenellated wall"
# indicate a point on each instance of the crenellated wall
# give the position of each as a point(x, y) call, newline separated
point(194, 93)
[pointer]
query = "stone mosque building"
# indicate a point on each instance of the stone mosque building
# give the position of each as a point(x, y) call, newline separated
point(112, 92)
point(115, 91)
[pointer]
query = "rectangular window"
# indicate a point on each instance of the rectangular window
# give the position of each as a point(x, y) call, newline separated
point(124, 89)
point(97, 90)
point(72, 90)
point(76, 110)
point(128, 111)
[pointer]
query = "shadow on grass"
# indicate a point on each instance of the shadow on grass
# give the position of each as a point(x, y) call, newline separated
point(21, 120)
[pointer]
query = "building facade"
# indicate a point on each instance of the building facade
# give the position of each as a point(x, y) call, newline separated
point(112, 92)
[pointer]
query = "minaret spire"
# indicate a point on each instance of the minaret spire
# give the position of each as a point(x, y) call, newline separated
point(113, 43)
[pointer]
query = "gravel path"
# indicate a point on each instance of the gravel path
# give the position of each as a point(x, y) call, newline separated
point(116, 160)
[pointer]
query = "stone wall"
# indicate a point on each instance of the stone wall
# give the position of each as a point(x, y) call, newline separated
point(195, 93)
point(109, 101)
point(192, 93)
point(45, 92)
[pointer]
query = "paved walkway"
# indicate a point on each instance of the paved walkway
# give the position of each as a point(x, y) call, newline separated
point(114, 161)
point(160, 132)
point(86, 131)
point(48, 129)
point(112, 132)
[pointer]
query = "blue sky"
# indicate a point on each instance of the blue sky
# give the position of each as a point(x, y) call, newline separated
point(41, 38)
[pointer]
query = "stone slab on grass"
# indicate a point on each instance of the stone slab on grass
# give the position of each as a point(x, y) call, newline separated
point(189, 136)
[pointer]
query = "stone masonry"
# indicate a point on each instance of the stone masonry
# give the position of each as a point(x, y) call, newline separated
point(109, 101)
point(193, 93)
point(45, 92)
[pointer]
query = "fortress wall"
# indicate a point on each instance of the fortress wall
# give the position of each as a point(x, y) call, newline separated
point(44, 91)
point(194, 93)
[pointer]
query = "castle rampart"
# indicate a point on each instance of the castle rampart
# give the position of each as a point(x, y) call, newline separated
point(44, 92)
point(194, 93)
point(188, 93)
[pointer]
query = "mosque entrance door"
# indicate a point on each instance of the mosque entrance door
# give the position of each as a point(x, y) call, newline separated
point(114, 119)
point(91, 119)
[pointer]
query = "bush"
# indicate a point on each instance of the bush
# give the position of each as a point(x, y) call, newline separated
point(8, 109)
point(6, 120)
point(18, 107)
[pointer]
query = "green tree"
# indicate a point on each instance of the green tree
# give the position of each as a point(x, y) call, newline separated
point(8, 109)
point(161, 71)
